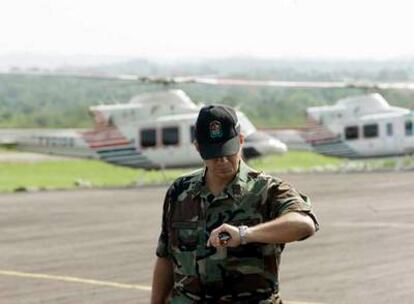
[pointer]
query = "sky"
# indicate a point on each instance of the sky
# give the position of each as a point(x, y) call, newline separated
point(213, 28)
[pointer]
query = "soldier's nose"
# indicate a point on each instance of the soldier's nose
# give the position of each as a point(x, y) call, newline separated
point(222, 159)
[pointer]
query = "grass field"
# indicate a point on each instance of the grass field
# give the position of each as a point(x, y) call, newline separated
point(6, 148)
point(65, 174)
point(294, 160)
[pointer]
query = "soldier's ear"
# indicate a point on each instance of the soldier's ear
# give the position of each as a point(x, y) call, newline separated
point(195, 143)
point(241, 138)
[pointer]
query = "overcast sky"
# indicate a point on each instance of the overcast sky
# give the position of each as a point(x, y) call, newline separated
point(192, 28)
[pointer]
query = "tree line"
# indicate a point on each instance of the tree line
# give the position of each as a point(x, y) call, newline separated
point(62, 102)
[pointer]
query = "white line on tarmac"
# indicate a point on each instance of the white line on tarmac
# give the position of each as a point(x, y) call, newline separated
point(91, 282)
point(295, 302)
point(372, 225)
point(72, 280)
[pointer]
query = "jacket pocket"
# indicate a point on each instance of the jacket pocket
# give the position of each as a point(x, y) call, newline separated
point(186, 235)
point(184, 244)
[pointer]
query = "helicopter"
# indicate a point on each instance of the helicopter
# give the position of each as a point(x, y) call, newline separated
point(363, 126)
point(355, 127)
point(151, 131)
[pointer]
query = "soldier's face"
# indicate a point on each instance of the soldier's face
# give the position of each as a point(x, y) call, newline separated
point(223, 167)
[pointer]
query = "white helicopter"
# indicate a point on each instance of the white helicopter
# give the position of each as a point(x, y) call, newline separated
point(361, 126)
point(356, 127)
point(151, 131)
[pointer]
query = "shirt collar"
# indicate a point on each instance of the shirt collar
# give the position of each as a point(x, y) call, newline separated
point(236, 188)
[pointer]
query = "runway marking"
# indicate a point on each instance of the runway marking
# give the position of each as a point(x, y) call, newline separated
point(91, 282)
point(295, 302)
point(72, 280)
point(373, 225)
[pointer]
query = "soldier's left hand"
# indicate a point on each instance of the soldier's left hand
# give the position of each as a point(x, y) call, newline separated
point(234, 236)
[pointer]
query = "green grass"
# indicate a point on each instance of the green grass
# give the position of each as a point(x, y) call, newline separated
point(7, 148)
point(294, 160)
point(63, 174)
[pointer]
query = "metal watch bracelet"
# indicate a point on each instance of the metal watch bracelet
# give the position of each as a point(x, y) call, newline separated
point(242, 234)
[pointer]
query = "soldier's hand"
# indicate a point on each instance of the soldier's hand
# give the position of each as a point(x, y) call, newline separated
point(233, 231)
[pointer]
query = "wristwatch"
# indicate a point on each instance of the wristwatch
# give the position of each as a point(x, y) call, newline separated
point(242, 234)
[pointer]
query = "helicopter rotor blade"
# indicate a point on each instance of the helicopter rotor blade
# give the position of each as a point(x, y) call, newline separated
point(216, 81)
point(306, 84)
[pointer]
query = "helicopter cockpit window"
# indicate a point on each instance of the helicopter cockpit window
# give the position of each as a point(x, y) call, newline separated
point(148, 138)
point(371, 131)
point(351, 132)
point(409, 128)
point(170, 136)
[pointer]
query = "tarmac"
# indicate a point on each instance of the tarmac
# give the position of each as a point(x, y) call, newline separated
point(97, 246)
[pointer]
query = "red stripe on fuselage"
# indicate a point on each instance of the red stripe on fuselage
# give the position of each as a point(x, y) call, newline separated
point(105, 137)
point(317, 132)
point(109, 144)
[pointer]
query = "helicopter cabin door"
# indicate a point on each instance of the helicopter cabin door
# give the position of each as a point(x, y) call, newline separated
point(163, 145)
point(391, 140)
point(371, 142)
point(409, 134)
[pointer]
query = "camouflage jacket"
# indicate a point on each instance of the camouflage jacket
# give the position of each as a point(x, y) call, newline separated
point(204, 274)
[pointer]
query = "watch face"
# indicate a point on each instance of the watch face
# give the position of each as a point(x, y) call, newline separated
point(224, 238)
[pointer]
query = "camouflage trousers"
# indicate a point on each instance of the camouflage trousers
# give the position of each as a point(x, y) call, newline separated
point(274, 299)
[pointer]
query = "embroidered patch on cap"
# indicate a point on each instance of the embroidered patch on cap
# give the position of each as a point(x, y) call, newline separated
point(216, 131)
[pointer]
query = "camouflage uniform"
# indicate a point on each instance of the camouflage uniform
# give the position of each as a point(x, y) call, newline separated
point(244, 274)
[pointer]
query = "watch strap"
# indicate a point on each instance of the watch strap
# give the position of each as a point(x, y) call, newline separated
point(242, 234)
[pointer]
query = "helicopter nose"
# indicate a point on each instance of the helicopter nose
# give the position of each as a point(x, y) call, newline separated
point(260, 143)
point(276, 146)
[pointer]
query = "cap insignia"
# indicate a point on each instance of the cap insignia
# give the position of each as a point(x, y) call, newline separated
point(216, 130)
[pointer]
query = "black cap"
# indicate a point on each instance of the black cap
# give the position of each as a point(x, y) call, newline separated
point(217, 130)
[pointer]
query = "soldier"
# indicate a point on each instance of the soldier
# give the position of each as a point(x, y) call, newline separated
point(224, 227)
